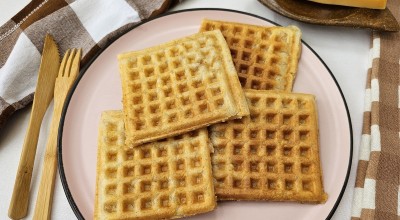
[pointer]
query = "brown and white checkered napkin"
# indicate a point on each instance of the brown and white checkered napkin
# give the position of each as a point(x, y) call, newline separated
point(86, 24)
point(377, 190)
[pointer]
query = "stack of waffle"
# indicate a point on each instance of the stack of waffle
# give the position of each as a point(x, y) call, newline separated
point(205, 117)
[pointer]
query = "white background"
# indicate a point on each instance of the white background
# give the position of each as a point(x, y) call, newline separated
point(344, 50)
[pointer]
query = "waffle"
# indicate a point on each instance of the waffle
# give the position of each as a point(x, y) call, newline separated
point(265, 58)
point(166, 179)
point(179, 86)
point(271, 155)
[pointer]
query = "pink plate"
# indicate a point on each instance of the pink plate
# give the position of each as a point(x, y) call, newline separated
point(99, 89)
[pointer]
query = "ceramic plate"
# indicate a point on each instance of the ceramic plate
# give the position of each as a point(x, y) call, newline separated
point(99, 89)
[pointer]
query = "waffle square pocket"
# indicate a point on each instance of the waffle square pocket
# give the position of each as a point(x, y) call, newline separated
point(273, 154)
point(161, 180)
point(179, 86)
point(266, 58)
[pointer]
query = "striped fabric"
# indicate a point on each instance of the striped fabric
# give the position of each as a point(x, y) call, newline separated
point(87, 24)
point(377, 187)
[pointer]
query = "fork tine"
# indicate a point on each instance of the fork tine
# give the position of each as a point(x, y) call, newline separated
point(75, 65)
point(69, 63)
point(63, 63)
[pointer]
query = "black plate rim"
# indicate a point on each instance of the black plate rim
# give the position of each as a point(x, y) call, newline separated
point(64, 182)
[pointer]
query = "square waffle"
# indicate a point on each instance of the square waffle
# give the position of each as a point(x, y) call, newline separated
point(166, 179)
point(265, 58)
point(179, 86)
point(273, 154)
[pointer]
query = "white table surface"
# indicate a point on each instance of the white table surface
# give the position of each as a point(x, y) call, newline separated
point(344, 50)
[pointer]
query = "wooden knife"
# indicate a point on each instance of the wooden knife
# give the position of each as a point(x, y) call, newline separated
point(49, 65)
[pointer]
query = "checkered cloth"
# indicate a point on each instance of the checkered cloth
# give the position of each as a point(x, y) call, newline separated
point(86, 24)
point(377, 191)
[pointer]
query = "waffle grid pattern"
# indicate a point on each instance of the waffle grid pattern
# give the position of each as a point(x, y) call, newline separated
point(265, 58)
point(179, 86)
point(166, 179)
point(271, 155)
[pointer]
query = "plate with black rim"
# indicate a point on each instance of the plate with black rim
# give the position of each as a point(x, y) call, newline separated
point(99, 89)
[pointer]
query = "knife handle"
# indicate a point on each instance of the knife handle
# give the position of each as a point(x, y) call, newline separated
point(20, 198)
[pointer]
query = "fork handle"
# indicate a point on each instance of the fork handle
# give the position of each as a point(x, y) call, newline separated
point(19, 201)
point(46, 188)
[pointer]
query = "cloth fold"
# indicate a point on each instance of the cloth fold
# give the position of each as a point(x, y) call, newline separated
point(87, 24)
point(377, 190)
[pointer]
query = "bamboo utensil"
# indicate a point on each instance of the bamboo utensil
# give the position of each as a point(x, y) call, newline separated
point(49, 66)
point(66, 76)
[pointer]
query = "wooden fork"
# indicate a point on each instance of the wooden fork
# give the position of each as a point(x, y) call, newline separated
point(69, 69)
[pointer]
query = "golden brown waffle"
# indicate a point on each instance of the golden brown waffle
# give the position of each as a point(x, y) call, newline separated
point(161, 180)
point(179, 86)
point(265, 58)
point(271, 155)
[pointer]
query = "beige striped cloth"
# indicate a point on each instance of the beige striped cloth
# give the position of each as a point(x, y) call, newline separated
point(377, 187)
point(87, 24)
